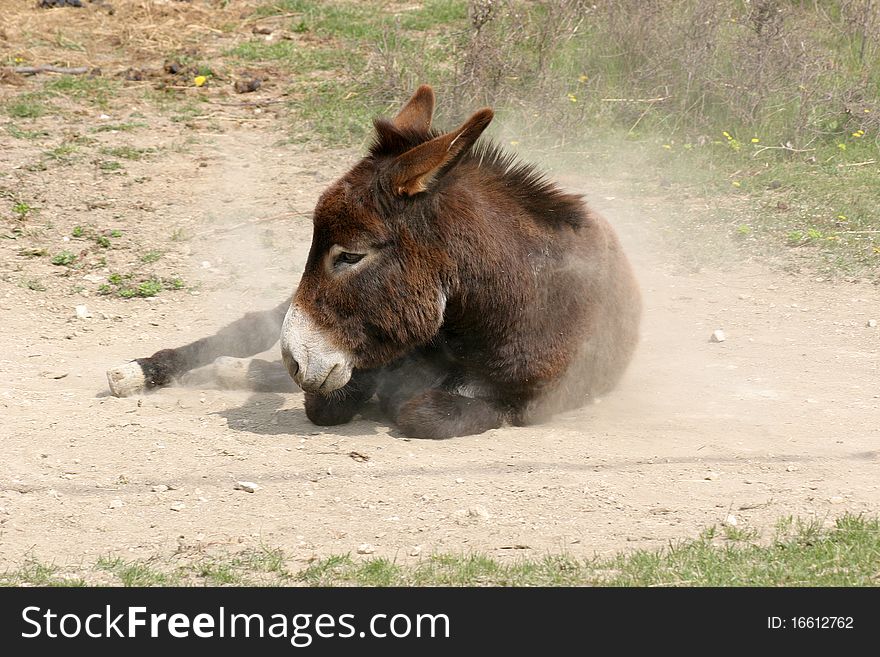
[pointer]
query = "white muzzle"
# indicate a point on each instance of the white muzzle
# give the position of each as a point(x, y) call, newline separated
point(315, 364)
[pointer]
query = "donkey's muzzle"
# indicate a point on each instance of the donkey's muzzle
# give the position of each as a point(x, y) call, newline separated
point(315, 364)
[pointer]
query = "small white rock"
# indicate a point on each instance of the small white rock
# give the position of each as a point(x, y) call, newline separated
point(837, 499)
point(478, 512)
point(159, 488)
point(459, 480)
point(177, 506)
point(872, 323)
point(731, 520)
point(206, 264)
point(117, 503)
point(711, 476)
point(365, 548)
point(415, 551)
point(82, 312)
point(717, 336)
point(246, 486)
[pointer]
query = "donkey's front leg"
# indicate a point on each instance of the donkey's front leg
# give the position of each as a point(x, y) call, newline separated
point(253, 333)
point(341, 405)
point(438, 413)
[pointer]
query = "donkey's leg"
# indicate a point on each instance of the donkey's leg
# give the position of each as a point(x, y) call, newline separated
point(438, 413)
point(417, 395)
point(252, 374)
point(341, 405)
point(253, 333)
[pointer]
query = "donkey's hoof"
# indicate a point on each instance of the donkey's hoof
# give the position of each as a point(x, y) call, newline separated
point(126, 380)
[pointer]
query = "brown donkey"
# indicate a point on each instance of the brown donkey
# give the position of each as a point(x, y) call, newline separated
point(457, 284)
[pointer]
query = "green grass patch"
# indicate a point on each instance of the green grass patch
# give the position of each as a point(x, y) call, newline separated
point(22, 210)
point(63, 259)
point(130, 286)
point(63, 154)
point(19, 133)
point(120, 127)
point(33, 572)
point(127, 152)
point(94, 90)
point(109, 165)
point(28, 106)
point(134, 573)
point(799, 553)
point(34, 284)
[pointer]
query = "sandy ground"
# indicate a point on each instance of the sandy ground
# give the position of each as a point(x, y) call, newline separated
point(783, 418)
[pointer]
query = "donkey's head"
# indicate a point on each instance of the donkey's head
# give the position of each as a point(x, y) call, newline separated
point(375, 282)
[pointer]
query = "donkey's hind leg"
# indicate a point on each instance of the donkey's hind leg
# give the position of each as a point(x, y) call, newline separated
point(418, 395)
point(438, 413)
point(253, 333)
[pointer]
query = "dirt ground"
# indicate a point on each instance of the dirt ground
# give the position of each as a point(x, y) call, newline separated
point(780, 419)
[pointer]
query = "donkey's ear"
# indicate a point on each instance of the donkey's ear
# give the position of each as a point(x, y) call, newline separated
point(417, 113)
point(412, 172)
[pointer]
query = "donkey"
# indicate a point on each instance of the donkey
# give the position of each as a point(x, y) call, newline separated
point(454, 282)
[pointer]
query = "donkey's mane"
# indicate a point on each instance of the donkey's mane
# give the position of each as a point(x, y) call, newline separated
point(537, 194)
point(533, 190)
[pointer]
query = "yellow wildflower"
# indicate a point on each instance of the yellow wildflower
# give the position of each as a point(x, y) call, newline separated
point(842, 147)
point(755, 140)
point(572, 98)
point(736, 183)
point(200, 80)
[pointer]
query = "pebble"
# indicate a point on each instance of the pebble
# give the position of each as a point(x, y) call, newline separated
point(246, 486)
point(459, 480)
point(177, 506)
point(478, 512)
point(82, 312)
point(731, 520)
point(711, 476)
point(872, 323)
point(837, 499)
point(415, 551)
point(365, 548)
point(159, 488)
point(117, 503)
point(717, 336)
point(55, 374)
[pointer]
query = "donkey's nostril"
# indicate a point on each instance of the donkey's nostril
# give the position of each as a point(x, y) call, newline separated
point(290, 363)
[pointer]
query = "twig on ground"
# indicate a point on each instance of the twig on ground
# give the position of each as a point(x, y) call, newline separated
point(47, 68)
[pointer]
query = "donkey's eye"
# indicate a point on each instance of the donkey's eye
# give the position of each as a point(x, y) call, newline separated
point(347, 258)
